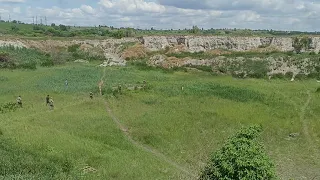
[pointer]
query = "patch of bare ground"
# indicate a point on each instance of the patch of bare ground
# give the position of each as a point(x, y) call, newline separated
point(133, 52)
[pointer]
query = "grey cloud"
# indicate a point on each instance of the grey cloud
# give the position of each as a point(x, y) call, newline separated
point(11, 1)
point(179, 14)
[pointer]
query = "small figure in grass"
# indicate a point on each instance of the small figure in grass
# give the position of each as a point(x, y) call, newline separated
point(91, 95)
point(144, 84)
point(119, 88)
point(66, 83)
point(19, 101)
point(51, 105)
point(47, 100)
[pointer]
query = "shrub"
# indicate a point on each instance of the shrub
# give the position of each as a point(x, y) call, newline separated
point(73, 48)
point(8, 107)
point(28, 65)
point(256, 69)
point(242, 157)
point(47, 63)
point(318, 90)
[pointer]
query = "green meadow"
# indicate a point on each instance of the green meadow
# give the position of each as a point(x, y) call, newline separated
point(166, 131)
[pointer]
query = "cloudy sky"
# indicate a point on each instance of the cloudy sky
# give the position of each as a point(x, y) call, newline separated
point(303, 15)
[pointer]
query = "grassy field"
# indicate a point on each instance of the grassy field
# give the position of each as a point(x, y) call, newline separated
point(170, 130)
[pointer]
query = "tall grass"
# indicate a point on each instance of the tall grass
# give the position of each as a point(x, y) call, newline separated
point(184, 124)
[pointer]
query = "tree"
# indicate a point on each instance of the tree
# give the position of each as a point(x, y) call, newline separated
point(14, 28)
point(53, 25)
point(195, 30)
point(63, 27)
point(241, 158)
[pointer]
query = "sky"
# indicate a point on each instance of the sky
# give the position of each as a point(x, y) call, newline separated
point(301, 15)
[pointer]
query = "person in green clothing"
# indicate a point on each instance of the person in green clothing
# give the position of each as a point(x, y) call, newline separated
point(47, 99)
point(19, 101)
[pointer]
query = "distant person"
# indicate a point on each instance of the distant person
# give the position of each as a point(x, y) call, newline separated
point(119, 88)
point(47, 100)
point(100, 86)
point(19, 101)
point(66, 83)
point(51, 105)
point(91, 95)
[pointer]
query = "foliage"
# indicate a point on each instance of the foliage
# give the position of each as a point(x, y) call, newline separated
point(28, 165)
point(14, 58)
point(301, 43)
point(40, 30)
point(242, 158)
point(256, 69)
point(195, 30)
point(8, 107)
point(73, 48)
point(225, 92)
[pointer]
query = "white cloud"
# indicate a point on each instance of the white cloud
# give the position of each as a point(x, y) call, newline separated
point(125, 6)
point(179, 14)
point(16, 10)
point(12, 1)
point(87, 9)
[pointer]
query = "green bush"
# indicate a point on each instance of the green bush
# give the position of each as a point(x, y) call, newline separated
point(241, 158)
point(73, 48)
point(256, 69)
point(8, 107)
point(28, 65)
point(225, 92)
point(47, 62)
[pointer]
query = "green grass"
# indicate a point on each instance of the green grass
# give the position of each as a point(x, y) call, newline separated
point(184, 125)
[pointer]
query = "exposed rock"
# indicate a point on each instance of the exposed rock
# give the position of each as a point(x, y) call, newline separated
point(81, 61)
point(189, 43)
point(157, 60)
point(13, 43)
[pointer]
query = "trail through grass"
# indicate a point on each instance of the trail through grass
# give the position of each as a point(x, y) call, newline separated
point(142, 146)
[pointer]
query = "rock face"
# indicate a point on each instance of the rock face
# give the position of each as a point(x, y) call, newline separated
point(111, 49)
point(16, 44)
point(241, 66)
point(190, 43)
point(205, 43)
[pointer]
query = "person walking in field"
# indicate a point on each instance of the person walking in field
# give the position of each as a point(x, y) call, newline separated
point(51, 105)
point(47, 100)
point(91, 95)
point(119, 88)
point(19, 101)
point(66, 83)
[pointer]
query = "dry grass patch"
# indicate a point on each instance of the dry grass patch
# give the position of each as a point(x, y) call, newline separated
point(136, 51)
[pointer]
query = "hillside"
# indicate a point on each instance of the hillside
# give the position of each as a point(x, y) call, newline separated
point(240, 56)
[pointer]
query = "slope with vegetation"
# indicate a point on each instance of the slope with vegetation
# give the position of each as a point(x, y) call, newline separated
point(185, 125)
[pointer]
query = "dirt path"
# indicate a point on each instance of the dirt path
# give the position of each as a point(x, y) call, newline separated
point(302, 113)
point(144, 147)
point(303, 120)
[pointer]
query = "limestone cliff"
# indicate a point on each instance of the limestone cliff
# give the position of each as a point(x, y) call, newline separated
point(112, 49)
point(191, 43)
